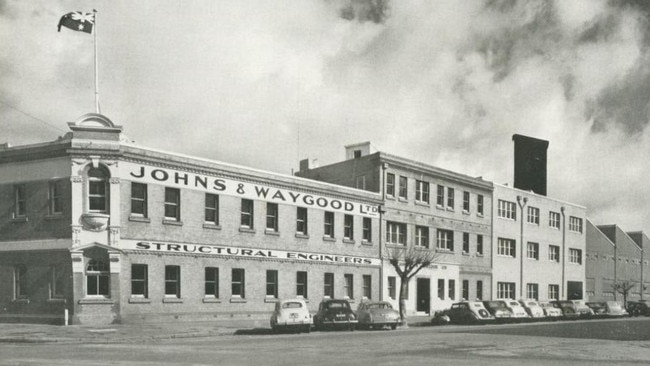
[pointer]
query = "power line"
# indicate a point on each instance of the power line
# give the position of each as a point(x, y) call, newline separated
point(30, 116)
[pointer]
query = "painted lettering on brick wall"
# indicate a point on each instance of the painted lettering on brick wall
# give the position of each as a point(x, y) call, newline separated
point(153, 175)
point(245, 252)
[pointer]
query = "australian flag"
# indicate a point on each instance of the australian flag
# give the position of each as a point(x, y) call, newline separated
point(76, 20)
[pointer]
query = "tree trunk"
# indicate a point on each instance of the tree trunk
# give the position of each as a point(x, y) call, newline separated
point(403, 290)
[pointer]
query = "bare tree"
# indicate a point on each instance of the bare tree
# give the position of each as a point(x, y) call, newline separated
point(624, 289)
point(407, 262)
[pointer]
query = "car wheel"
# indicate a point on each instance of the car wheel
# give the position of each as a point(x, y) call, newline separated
point(393, 326)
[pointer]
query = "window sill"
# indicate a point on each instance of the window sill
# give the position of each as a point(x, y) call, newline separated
point(55, 300)
point(211, 300)
point(450, 209)
point(271, 232)
point(440, 207)
point(243, 229)
point(139, 300)
point(466, 213)
point(390, 197)
point(172, 222)
point(54, 216)
point(479, 254)
point(139, 219)
point(22, 300)
point(237, 300)
point(96, 301)
point(211, 226)
point(302, 236)
point(403, 200)
point(422, 203)
point(480, 215)
point(348, 241)
point(329, 238)
point(19, 219)
point(172, 300)
point(368, 243)
point(444, 251)
point(271, 300)
point(466, 254)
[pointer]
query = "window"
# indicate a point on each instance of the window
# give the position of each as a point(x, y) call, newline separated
point(272, 283)
point(452, 289)
point(553, 292)
point(247, 213)
point(575, 256)
point(554, 219)
point(173, 204)
point(212, 282)
point(422, 191)
point(97, 278)
point(139, 199)
point(271, 216)
point(395, 233)
point(97, 190)
point(450, 198)
point(403, 187)
point(348, 227)
point(575, 224)
point(301, 284)
point(465, 201)
point(328, 285)
point(507, 210)
point(440, 197)
point(139, 280)
point(20, 201)
point(441, 289)
point(361, 182)
point(422, 236)
point(237, 282)
point(445, 239)
point(20, 281)
point(57, 282)
point(173, 281)
point(367, 286)
point(392, 291)
point(533, 215)
point(479, 290)
point(348, 285)
point(301, 221)
point(390, 184)
point(532, 251)
point(532, 291)
point(506, 247)
point(465, 290)
point(212, 209)
point(479, 244)
point(367, 229)
point(55, 197)
point(329, 225)
point(505, 290)
point(553, 253)
point(466, 243)
point(479, 204)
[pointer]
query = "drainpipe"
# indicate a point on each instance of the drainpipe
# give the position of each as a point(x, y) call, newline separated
point(382, 179)
point(522, 203)
point(561, 294)
point(615, 265)
point(642, 251)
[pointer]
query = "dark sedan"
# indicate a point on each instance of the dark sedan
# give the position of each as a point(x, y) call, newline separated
point(335, 314)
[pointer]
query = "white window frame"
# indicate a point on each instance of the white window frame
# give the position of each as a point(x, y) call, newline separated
point(532, 250)
point(395, 233)
point(575, 256)
point(505, 290)
point(533, 215)
point(554, 253)
point(422, 236)
point(506, 247)
point(445, 239)
point(507, 210)
point(554, 219)
point(422, 191)
point(575, 224)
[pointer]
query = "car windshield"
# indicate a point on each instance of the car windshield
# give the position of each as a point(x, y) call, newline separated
point(291, 305)
point(514, 303)
point(379, 306)
point(336, 305)
point(477, 305)
point(496, 304)
point(531, 303)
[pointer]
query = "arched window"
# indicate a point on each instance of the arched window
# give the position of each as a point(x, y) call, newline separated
point(97, 278)
point(97, 190)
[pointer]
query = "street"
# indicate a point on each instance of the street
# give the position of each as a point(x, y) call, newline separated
point(622, 341)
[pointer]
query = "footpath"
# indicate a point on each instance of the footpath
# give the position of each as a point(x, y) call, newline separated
point(137, 333)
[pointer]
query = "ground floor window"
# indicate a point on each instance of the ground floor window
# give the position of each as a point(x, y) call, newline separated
point(328, 285)
point(348, 285)
point(20, 281)
point(97, 278)
point(532, 291)
point(57, 280)
point(272, 283)
point(452, 289)
point(391, 287)
point(173, 281)
point(238, 282)
point(301, 284)
point(367, 286)
point(441, 289)
point(465, 290)
point(212, 282)
point(139, 279)
point(505, 290)
point(479, 290)
point(554, 292)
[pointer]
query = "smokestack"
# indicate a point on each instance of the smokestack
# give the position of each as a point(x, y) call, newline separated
point(530, 164)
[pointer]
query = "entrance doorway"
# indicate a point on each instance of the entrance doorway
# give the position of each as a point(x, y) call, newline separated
point(423, 295)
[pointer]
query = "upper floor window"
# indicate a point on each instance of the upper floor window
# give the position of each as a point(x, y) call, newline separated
point(533, 251)
point(20, 201)
point(348, 227)
point(506, 247)
point(533, 215)
point(554, 219)
point(395, 233)
point(466, 243)
point(575, 256)
point(422, 236)
point(328, 229)
point(422, 191)
point(211, 209)
point(507, 210)
point(403, 187)
point(271, 216)
point(479, 204)
point(554, 253)
point(479, 244)
point(575, 224)
point(246, 216)
point(390, 184)
point(301, 220)
point(172, 204)
point(450, 197)
point(440, 196)
point(139, 199)
point(466, 201)
point(55, 197)
point(445, 239)
point(97, 190)
point(367, 229)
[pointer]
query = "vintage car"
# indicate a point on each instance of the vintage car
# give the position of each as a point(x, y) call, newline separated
point(498, 309)
point(598, 307)
point(532, 309)
point(582, 308)
point(518, 311)
point(616, 309)
point(607, 308)
point(551, 311)
point(466, 312)
point(335, 314)
point(637, 308)
point(568, 308)
point(377, 315)
point(291, 314)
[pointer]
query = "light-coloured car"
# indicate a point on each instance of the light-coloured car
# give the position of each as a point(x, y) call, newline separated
point(582, 308)
point(550, 310)
point(517, 310)
point(615, 308)
point(377, 315)
point(532, 308)
point(498, 309)
point(291, 314)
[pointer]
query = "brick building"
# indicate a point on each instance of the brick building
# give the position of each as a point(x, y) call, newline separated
point(109, 231)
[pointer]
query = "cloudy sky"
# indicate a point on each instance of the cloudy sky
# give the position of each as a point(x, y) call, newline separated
point(266, 83)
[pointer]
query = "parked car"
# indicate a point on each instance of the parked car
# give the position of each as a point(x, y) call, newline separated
point(568, 308)
point(615, 308)
point(498, 309)
point(291, 314)
point(637, 308)
point(532, 308)
point(582, 309)
point(441, 318)
point(466, 312)
point(335, 314)
point(518, 311)
point(599, 308)
point(377, 315)
point(551, 311)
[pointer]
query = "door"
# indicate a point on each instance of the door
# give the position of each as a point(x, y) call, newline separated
point(423, 295)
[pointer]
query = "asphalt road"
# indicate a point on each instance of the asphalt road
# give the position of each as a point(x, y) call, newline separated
point(619, 342)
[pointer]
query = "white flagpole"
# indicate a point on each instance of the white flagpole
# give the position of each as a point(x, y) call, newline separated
point(96, 68)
